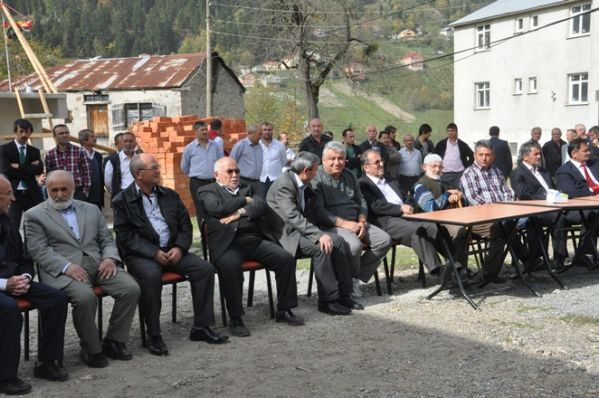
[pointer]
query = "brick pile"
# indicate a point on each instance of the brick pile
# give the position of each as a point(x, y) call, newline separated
point(166, 137)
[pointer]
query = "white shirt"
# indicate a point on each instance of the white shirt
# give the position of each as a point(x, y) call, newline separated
point(274, 158)
point(21, 187)
point(221, 144)
point(538, 176)
point(452, 162)
point(301, 187)
point(126, 177)
point(411, 162)
point(391, 196)
point(579, 167)
point(290, 157)
point(155, 216)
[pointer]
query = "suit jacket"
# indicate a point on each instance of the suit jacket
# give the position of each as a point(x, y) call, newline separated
point(52, 244)
point(134, 233)
point(9, 153)
point(12, 259)
point(286, 219)
point(526, 186)
point(503, 156)
point(379, 210)
point(97, 187)
point(364, 146)
point(466, 154)
point(216, 203)
point(571, 181)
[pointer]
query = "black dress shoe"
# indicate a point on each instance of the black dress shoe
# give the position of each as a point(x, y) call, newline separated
point(94, 360)
point(491, 278)
point(350, 303)
point(237, 328)
point(208, 335)
point(50, 371)
point(288, 317)
point(333, 308)
point(116, 350)
point(14, 386)
point(156, 345)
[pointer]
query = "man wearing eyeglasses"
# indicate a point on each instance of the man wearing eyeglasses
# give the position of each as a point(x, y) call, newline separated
point(237, 232)
point(154, 233)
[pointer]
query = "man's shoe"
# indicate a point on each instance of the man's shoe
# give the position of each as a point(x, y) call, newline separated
point(288, 317)
point(350, 303)
point(237, 328)
point(208, 335)
point(14, 386)
point(333, 308)
point(356, 292)
point(491, 278)
point(50, 371)
point(156, 345)
point(116, 350)
point(94, 360)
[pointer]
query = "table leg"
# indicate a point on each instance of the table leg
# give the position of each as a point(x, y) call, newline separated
point(509, 238)
point(590, 230)
point(542, 239)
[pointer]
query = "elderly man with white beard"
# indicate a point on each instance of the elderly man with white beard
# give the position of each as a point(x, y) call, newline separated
point(430, 195)
point(74, 249)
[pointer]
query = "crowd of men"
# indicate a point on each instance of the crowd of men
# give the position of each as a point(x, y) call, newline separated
point(338, 203)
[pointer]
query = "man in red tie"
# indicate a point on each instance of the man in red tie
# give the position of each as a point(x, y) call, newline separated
point(579, 176)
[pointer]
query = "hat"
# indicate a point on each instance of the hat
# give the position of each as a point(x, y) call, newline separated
point(431, 158)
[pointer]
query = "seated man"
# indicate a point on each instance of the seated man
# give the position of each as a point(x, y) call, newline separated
point(431, 195)
point(339, 207)
point(385, 208)
point(287, 197)
point(74, 250)
point(154, 233)
point(16, 273)
point(483, 183)
point(237, 232)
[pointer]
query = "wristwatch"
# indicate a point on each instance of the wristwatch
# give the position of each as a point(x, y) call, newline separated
point(241, 212)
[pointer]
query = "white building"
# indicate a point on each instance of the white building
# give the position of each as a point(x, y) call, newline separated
point(520, 64)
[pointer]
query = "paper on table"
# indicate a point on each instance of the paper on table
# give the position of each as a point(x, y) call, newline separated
point(554, 196)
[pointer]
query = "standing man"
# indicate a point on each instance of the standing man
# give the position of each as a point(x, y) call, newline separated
point(372, 143)
point(87, 139)
point(552, 151)
point(21, 163)
point(423, 142)
point(410, 166)
point(16, 274)
point(570, 137)
point(237, 232)
point(581, 131)
point(353, 153)
point(154, 233)
point(535, 136)
point(68, 157)
point(316, 141)
point(339, 207)
point(216, 134)
point(117, 141)
point(274, 158)
point(74, 250)
point(117, 174)
point(392, 131)
point(393, 164)
point(287, 198)
point(289, 153)
point(501, 149)
point(456, 155)
point(197, 162)
point(249, 156)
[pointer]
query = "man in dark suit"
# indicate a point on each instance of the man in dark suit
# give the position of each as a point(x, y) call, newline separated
point(501, 149)
point(371, 142)
point(532, 182)
point(16, 273)
point(315, 141)
point(288, 197)
point(87, 139)
point(457, 156)
point(21, 163)
point(154, 233)
point(552, 151)
point(237, 232)
point(385, 208)
point(579, 176)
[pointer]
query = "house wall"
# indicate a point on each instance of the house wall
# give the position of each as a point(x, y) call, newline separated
point(549, 54)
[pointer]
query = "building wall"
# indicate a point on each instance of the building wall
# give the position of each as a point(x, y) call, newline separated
point(549, 54)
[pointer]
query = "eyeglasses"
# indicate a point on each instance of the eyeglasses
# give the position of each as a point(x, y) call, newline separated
point(377, 162)
point(153, 168)
point(232, 171)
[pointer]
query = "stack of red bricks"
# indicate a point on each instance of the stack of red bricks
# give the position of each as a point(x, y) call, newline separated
point(166, 137)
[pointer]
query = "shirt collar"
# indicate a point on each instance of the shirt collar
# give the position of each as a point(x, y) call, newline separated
point(140, 192)
point(19, 145)
point(300, 183)
point(529, 167)
point(376, 180)
point(575, 163)
point(234, 192)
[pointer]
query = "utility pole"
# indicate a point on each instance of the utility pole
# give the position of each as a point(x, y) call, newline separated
point(208, 63)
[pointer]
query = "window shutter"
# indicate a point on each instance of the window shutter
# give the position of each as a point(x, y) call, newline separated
point(118, 117)
point(158, 110)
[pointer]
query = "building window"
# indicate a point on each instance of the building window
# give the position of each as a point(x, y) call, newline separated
point(483, 37)
point(483, 95)
point(125, 114)
point(581, 20)
point(534, 21)
point(517, 86)
point(95, 97)
point(519, 24)
point(578, 85)
point(532, 85)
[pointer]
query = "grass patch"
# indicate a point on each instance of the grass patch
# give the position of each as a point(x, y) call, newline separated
point(530, 308)
point(580, 320)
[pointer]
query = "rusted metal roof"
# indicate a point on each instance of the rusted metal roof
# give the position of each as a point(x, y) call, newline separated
point(143, 72)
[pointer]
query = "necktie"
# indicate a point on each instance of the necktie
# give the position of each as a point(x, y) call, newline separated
point(22, 161)
point(590, 181)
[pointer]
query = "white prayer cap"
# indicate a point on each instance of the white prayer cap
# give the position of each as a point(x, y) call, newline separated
point(431, 158)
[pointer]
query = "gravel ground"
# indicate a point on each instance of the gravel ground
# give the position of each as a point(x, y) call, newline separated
point(401, 346)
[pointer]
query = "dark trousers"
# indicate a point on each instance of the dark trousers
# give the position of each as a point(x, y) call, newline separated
point(201, 278)
point(79, 195)
point(255, 184)
point(265, 186)
point(406, 184)
point(194, 185)
point(52, 306)
point(332, 271)
point(22, 203)
point(451, 179)
point(274, 257)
